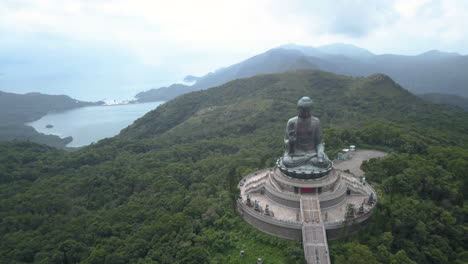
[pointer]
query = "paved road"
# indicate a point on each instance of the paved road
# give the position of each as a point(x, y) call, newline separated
point(355, 162)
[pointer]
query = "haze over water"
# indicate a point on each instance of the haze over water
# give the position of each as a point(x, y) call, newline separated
point(91, 124)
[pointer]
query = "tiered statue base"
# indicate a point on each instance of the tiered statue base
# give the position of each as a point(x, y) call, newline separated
point(289, 198)
point(305, 172)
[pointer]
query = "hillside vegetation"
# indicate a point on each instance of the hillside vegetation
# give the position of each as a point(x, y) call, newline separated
point(164, 190)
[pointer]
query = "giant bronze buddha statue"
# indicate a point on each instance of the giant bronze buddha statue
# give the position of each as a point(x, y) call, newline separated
point(305, 150)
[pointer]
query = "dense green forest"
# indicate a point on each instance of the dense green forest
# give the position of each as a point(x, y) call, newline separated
point(164, 190)
point(18, 109)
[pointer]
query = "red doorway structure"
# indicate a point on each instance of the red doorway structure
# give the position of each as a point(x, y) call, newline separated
point(307, 190)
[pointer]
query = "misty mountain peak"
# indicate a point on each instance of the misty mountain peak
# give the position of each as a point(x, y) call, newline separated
point(342, 49)
point(437, 54)
point(348, 50)
point(306, 50)
point(424, 73)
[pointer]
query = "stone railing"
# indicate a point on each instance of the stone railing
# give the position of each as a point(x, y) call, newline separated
point(356, 220)
point(357, 188)
point(261, 177)
point(339, 191)
point(253, 188)
point(247, 179)
point(284, 195)
point(371, 190)
point(256, 173)
point(355, 184)
point(305, 182)
point(273, 182)
point(251, 185)
point(269, 219)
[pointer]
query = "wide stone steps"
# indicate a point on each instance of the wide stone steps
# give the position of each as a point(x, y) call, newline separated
point(314, 237)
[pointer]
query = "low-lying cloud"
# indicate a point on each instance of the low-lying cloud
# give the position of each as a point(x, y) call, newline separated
point(171, 39)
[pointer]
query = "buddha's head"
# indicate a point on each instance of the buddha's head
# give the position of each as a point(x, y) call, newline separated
point(304, 107)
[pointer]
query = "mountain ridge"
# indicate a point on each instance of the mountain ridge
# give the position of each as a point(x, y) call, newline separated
point(354, 96)
point(446, 99)
point(429, 72)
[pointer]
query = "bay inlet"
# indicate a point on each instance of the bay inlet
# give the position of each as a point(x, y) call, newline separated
point(93, 123)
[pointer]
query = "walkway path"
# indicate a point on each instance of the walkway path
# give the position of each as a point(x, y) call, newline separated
point(314, 237)
point(354, 163)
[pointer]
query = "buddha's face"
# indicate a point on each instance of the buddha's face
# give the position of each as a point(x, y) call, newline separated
point(304, 112)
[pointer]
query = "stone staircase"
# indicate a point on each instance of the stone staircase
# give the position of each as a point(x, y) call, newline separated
point(314, 237)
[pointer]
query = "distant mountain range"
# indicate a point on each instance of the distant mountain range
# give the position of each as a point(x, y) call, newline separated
point(430, 72)
point(163, 93)
point(446, 99)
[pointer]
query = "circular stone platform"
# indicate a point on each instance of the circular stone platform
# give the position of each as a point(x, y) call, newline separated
point(286, 196)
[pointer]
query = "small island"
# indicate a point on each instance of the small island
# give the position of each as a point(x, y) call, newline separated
point(49, 126)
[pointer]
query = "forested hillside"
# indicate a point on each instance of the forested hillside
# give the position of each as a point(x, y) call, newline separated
point(163, 93)
point(18, 109)
point(164, 190)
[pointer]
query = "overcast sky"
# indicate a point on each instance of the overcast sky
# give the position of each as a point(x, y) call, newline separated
point(80, 44)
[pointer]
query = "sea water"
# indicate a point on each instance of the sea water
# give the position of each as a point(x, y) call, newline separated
point(92, 123)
